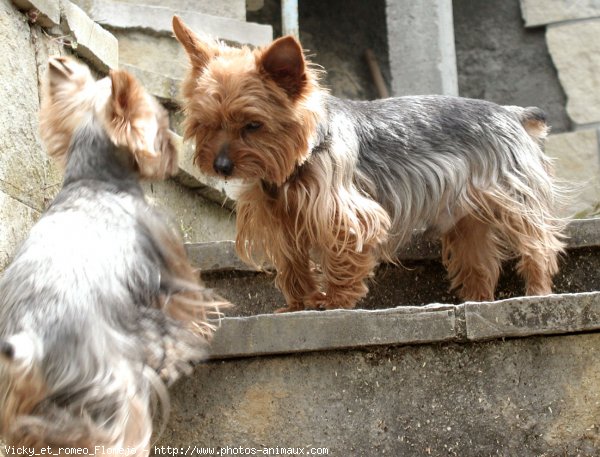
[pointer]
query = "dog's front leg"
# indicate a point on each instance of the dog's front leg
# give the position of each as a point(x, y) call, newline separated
point(295, 277)
point(346, 271)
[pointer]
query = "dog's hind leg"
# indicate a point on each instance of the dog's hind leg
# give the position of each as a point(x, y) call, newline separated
point(538, 247)
point(472, 254)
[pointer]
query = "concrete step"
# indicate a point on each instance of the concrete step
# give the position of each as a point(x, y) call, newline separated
point(518, 376)
point(309, 331)
point(420, 280)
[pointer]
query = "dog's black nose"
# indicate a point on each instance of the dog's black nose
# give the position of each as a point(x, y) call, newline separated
point(223, 164)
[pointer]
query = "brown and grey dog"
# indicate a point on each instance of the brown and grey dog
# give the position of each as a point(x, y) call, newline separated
point(345, 183)
point(100, 306)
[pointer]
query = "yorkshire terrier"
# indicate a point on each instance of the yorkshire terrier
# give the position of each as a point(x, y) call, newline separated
point(100, 306)
point(345, 183)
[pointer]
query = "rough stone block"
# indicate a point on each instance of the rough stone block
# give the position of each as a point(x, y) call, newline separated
point(327, 330)
point(44, 12)
point(583, 233)
point(161, 55)
point(575, 51)
point(542, 12)
point(17, 219)
point(565, 313)
point(197, 219)
point(577, 161)
point(93, 42)
point(158, 20)
point(159, 85)
point(421, 47)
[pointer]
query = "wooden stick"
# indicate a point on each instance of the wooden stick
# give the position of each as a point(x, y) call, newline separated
point(382, 89)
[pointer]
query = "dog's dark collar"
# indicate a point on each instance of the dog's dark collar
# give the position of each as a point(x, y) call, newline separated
point(272, 189)
point(322, 145)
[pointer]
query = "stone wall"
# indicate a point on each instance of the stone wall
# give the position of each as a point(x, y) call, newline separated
point(500, 60)
point(28, 180)
point(571, 31)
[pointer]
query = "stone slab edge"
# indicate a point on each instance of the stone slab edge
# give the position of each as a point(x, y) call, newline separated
point(329, 330)
point(47, 12)
point(220, 255)
point(538, 13)
point(309, 331)
point(158, 20)
point(94, 43)
point(583, 233)
point(524, 316)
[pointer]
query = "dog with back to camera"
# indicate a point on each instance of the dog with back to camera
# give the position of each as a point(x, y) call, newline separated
point(100, 305)
point(346, 182)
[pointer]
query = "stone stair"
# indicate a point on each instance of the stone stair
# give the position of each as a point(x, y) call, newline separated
point(412, 373)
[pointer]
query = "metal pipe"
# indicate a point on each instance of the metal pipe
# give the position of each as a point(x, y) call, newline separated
point(289, 18)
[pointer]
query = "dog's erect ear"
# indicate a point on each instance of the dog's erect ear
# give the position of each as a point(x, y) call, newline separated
point(125, 96)
point(283, 62)
point(131, 117)
point(198, 52)
point(138, 122)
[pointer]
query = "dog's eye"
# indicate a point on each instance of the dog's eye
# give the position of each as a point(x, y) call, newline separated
point(252, 126)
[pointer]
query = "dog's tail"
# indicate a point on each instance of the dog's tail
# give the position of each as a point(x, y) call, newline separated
point(103, 410)
point(533, 120)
